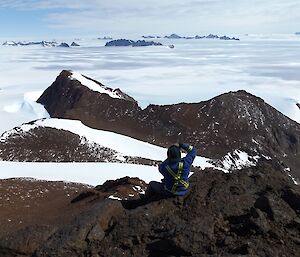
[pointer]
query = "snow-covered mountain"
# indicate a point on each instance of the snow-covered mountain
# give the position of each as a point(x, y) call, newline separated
point(62, 140)
point(40, 43)
point(221, 128)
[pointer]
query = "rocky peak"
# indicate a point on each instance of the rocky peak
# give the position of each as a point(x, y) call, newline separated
point(75, 96)
point(234, 121)
point(220, 126)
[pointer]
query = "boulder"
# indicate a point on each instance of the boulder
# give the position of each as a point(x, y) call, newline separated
point(85, 231)
point(25, 241)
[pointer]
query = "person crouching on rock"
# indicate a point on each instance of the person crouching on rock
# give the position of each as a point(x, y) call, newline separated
point(175, 171)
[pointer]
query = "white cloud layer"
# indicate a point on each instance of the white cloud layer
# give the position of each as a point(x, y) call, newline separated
point(188, 16)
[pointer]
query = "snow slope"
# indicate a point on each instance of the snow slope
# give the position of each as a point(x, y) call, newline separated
point(87, 173)
point(123, 144)
point(15, 111)
point(95, 173)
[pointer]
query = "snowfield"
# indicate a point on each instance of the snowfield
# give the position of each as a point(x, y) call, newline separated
point(87, 173)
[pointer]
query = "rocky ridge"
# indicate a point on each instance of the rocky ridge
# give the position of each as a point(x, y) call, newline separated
point(127, 42)
point(219, 127)
point(210, 36)
point(47, 144)
point(40, 43)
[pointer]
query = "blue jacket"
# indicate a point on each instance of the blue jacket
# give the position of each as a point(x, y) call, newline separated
point(169, 180)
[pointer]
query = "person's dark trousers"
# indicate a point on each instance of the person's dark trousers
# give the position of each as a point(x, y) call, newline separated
point(156, 189)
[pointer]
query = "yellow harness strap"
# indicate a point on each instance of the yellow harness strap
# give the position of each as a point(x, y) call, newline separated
point(177, 177)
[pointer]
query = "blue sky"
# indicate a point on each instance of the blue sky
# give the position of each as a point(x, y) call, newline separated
point(56, 18)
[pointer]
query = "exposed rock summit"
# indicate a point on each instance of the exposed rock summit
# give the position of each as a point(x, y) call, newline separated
point(217, 127)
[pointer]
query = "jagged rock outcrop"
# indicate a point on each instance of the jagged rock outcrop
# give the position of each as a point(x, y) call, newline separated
point(105, 38)
point(173, 36)
point(228, 38)
point(41, 43)
point(149, 36)
point(211, 36)
point(252, 212)
point(231, 121)
point(126, 42)
point(9, 43)
point(63, 44)
point(74, 44)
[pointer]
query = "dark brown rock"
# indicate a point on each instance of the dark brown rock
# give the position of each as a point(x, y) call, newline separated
point(28, 202)
point(212, 221)
point(86, 229)
point(25, 241)
point(124, 188)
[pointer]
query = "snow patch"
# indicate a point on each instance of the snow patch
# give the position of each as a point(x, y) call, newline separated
point(114, 198)
point(266, 157)
point(86, 173)
point(94, 86)
point(287, 170)
point(28, 107)
point(238, 160)
point(203, 163)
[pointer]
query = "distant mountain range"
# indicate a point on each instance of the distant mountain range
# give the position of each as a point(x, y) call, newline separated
point(41, 43)
point(210, 36)
point(127, 42)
